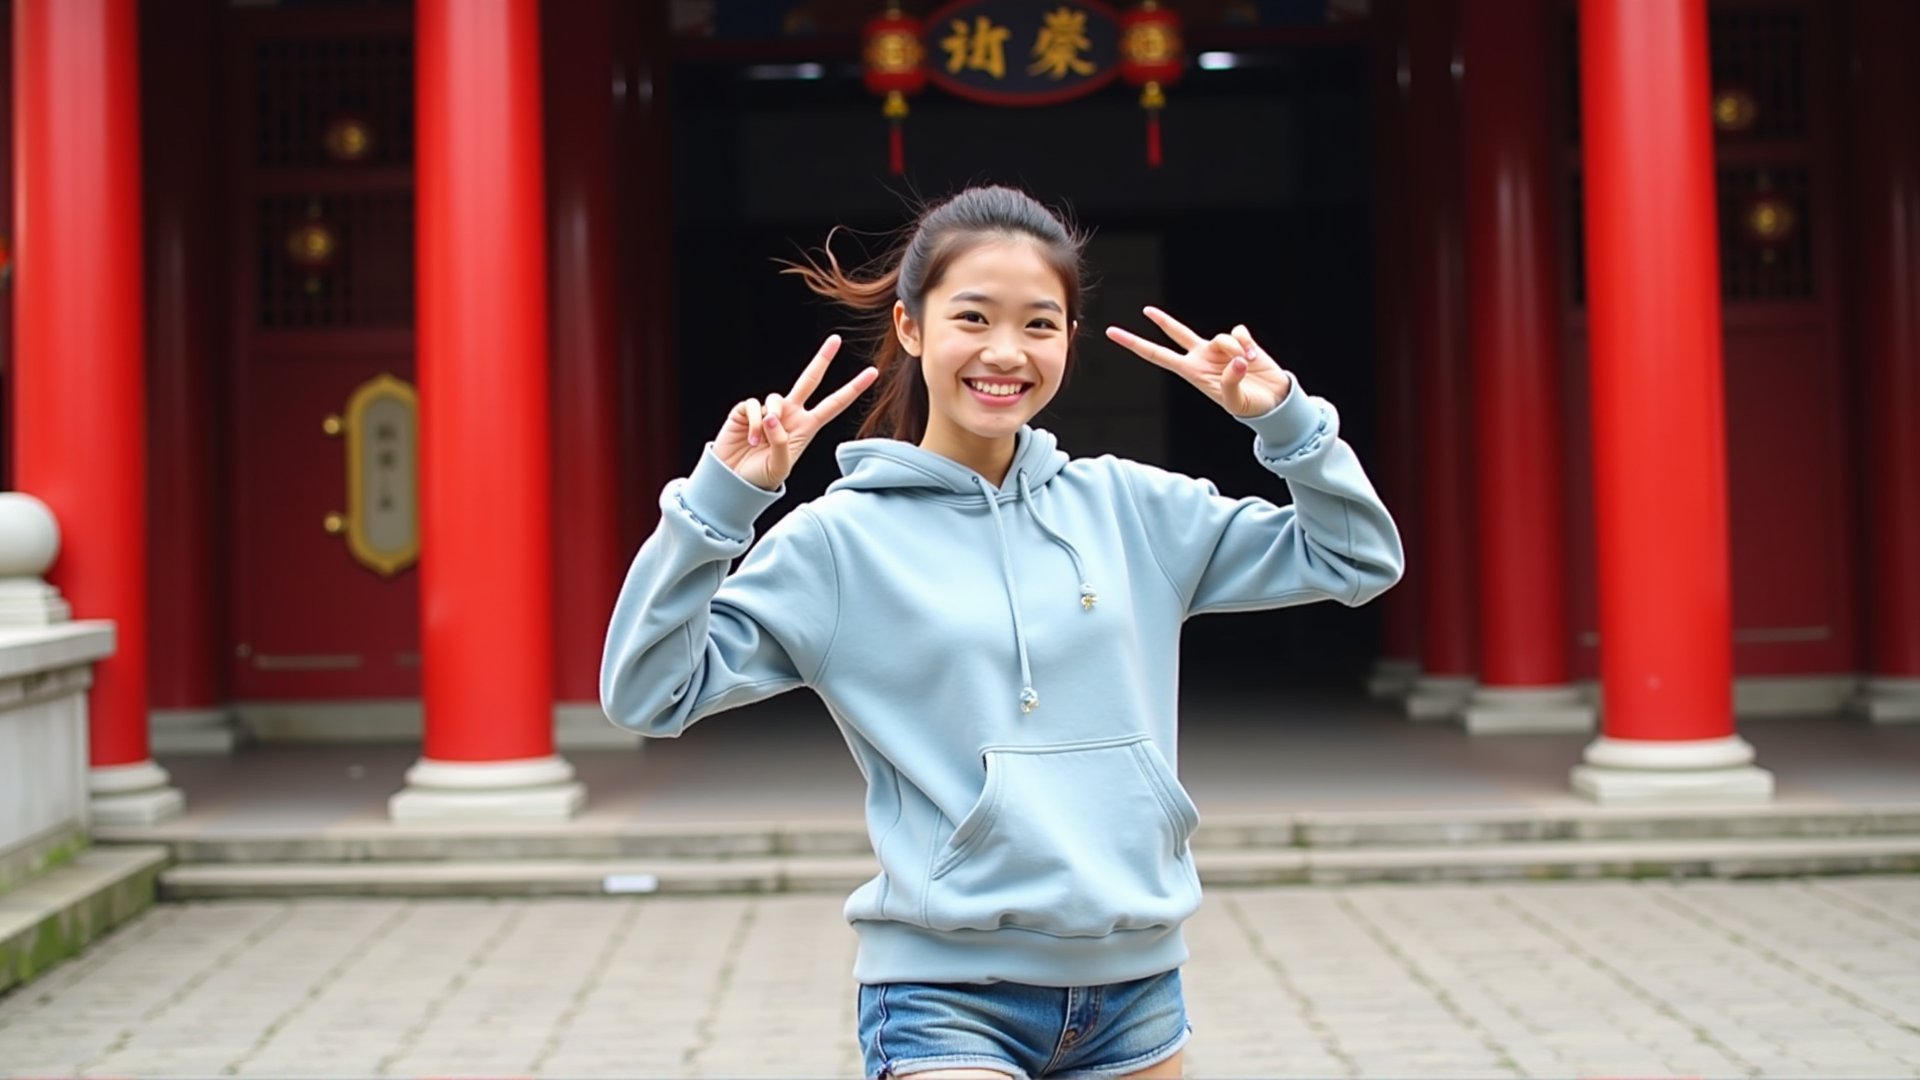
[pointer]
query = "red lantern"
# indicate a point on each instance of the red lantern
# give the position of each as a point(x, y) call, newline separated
point(1152, 57)
point(892, 55)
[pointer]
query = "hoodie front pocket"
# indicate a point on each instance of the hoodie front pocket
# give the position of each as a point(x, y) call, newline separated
point(1074, 840)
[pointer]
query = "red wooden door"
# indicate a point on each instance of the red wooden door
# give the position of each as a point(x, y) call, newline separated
point(325, 603)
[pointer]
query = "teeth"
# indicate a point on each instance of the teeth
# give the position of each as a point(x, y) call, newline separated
point(996, 389)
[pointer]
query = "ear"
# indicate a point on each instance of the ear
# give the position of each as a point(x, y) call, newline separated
point(906, 329)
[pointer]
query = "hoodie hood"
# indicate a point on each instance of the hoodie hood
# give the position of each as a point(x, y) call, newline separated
point(893, 465)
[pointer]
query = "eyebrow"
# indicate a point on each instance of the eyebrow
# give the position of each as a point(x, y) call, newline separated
point(982, 298)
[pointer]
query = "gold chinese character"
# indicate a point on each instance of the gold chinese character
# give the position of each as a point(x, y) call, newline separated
point(1062, 37)
point(983, 48)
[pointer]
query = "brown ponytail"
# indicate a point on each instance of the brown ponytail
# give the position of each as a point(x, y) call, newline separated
point(943, 232)
point(899, 406)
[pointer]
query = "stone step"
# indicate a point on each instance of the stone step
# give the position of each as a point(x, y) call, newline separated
point(1416, 828)
point(56, 913)
point(1219, 832)
point(1724, 858)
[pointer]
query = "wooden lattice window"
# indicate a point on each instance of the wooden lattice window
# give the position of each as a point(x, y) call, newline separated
point(1749, 271)
point(1763, 50)
point(370, 280)
point(1760, 49)
point(304, 85)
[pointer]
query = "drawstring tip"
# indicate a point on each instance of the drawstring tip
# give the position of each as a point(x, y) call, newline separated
point(1029, 700)
point(1088, 597)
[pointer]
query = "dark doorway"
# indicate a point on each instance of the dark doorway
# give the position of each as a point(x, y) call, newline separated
point(1260, 214)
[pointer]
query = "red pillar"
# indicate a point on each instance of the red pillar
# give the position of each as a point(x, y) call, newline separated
point(1660, 484)
point(8, 346)
point(1513, 304)
point(579, 48)
point(1399, 664)
point(1442, 565)
point(1886, 91)
point(79, 418)
point(186, 695)
point(486, 534)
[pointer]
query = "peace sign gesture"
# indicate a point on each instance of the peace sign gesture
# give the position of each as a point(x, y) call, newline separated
point(761, 440)
point(1232, 369)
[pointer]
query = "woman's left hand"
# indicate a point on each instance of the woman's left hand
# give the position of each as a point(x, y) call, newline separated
point(1232, 369)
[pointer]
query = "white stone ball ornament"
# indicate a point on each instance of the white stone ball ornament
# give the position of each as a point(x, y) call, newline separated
point(29, 536)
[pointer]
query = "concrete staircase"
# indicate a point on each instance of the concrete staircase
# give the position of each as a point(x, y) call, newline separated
point(1280, 849)
point(56, 912)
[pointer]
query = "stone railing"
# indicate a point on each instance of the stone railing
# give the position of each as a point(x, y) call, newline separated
point(46, 666)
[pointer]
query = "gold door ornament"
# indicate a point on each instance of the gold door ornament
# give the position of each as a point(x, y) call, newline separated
point(381, 426)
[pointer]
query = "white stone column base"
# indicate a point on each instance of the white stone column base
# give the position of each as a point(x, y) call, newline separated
point(1630, 772)
point(1528, 710)
point(1392, 678)
point(1888, 700)
point(1438, 697)
point(28, 601)
point(193, 731)
point(136, 794)
point(584, 726)
point(531, 789)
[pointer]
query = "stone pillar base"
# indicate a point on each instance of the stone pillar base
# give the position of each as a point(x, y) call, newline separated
point(28, 601)
point(534, 789)
point(1630, 772)
point(136, 794)
point(584, 726)
point(1889, 700)
point(192, 731)
point(1392, 678)
point(1517, 710)
point(1438, 697)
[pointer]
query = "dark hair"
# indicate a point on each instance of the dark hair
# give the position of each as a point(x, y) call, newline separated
point(943, 232)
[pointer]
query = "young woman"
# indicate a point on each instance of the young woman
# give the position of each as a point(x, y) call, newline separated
point(996, 629)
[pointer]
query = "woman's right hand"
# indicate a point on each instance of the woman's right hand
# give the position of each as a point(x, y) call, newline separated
point(762, 439)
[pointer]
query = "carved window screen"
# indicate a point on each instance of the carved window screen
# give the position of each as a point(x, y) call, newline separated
point(302, 85)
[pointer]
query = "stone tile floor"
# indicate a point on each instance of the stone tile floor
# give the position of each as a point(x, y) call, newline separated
point(1785, 978)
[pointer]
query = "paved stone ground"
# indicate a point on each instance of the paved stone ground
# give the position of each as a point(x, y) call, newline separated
point(1784, 978)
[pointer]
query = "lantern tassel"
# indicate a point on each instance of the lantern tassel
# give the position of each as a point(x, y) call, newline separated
point(1153, 99)
point(895, 111)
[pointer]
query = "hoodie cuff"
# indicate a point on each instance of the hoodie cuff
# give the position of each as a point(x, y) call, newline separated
point(1287, 428)
point(723, 500)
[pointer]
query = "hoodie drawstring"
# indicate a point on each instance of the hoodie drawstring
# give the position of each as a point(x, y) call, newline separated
point(1088, 597)
point(1029, 698)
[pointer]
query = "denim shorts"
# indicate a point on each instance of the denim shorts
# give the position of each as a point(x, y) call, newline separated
point(1026, 1031)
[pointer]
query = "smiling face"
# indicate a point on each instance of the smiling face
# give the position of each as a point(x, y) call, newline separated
point(992, 343)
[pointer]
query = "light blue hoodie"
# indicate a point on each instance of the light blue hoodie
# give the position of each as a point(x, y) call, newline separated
point(1004, 664)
